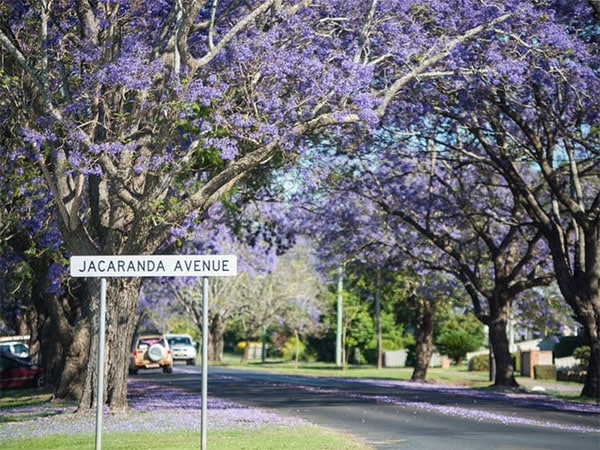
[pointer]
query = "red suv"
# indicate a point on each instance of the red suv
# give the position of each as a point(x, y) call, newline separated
point(151, 352)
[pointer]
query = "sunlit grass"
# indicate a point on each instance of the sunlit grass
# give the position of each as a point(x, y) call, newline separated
point(16, 398)
point(18, 405)
point(275, 438)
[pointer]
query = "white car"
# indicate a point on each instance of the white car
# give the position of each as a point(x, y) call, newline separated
point(183, 348)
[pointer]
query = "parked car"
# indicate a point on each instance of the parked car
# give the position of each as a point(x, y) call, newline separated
point(151, 352)
point(183, 348)
point(17, 348)
point(18, 372)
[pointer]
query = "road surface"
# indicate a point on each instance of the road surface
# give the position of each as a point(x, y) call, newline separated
point(401, 415)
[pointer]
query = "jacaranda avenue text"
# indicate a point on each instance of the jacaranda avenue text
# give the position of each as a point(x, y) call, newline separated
point(153, 266)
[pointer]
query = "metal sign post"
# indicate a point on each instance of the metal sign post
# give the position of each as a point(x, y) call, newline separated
point(152, 266)
point(204, 362)
point(100, 376)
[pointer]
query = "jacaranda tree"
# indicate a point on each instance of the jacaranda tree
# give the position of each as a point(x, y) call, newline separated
point(533, 119)
point(140, 114)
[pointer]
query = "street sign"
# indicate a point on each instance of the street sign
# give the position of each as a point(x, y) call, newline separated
point(154, 266)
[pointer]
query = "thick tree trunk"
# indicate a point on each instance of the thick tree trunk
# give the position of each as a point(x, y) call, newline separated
point(72, 377)
point(62, 331)
point(121, 303)
point(497, 321)
point(505, 369)
point(591, 386)
point(581, 290)
point(424, 339)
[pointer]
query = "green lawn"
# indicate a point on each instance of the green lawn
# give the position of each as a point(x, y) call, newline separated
point(299, 438)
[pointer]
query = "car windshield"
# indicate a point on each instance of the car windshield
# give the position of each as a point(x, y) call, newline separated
point(179, 340)
point(21, 348)
point(15, 348)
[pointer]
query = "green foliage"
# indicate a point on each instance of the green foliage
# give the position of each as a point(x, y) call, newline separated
point(583, 354)
point(479, 363)
point(288, 351)
point(362, 285)
point(544, 372)
point(457, 343)
point(449, 321)
point(263, 438)
point(182, 324)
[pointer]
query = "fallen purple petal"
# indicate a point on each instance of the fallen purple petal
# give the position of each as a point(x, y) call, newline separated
point(146, 402)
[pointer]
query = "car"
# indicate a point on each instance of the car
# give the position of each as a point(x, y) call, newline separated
point(183, 348)
point(18, 372)
point(151, 352)
point(17, 348)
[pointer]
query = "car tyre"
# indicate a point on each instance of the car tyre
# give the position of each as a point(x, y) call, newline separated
point(191, 362)
point(133, 371)
point(39, 381)
point(168, 369)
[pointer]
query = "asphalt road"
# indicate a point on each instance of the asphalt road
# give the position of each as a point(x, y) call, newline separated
point(390, 415)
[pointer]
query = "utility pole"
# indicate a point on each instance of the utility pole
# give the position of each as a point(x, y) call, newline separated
point(338, 340)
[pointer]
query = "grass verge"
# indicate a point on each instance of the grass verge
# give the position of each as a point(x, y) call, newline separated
point(299, 438)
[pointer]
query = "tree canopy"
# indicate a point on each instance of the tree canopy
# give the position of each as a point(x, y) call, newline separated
point(136, 117)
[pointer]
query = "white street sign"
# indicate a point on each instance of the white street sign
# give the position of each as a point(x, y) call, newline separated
point(154, 266)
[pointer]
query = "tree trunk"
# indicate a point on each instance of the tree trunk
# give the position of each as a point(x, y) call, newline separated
point(297, 350)
point(591, 326)
point(424, 338)
point(505, 369)
point(246, 354)
point(580, 287)
point(71, 384)
point(502, 366)
point(63, 329)
point(216, 332)
point(121, 303)
point(591, 386)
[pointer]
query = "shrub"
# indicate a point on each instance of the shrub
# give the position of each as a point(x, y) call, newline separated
point(288, 351)
point(456, 344)
point(544, 372)
point(480, 363)
point(583, 354)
